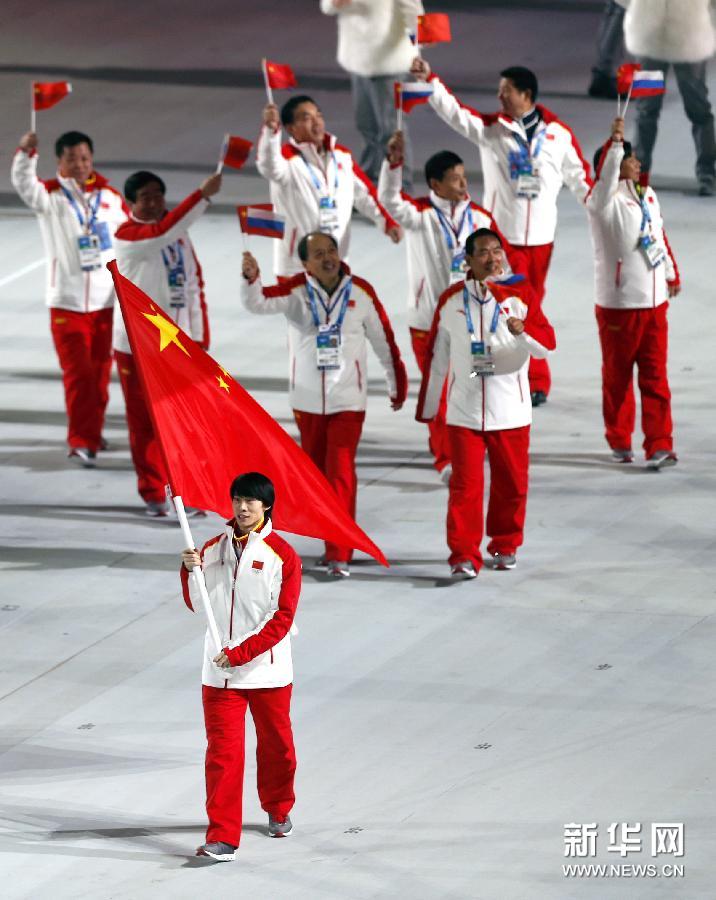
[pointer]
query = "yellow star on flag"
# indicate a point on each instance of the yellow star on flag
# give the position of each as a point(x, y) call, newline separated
point(168, 332)
point(224, 372)
point(222, 383)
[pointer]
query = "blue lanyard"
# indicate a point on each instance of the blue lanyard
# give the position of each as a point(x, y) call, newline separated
point(341, 298)
point(447, 226)
point(174, 261)
point(314, 178)
point(525, 147)
point(468, 314)
point(645, 216)
point(78, 213)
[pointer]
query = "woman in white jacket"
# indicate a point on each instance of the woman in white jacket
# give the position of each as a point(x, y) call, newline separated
point(253, 578)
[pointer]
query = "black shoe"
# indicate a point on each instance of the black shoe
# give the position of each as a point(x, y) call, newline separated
point(707, 186)
point(538, 398)
point(217, 850)
point(603, 86)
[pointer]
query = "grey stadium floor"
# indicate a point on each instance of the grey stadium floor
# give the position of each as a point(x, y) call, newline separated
point(446, 734)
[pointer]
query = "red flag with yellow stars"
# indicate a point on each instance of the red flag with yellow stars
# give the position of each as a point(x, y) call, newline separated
point(210, 430)
point(46, 94)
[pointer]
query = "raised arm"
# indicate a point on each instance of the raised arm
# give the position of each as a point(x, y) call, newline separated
point(365, 198)
point(431, 387)
point(397, 204)
point(466, 121)
point(266, 301)
point(23, 175)
point(270, 161)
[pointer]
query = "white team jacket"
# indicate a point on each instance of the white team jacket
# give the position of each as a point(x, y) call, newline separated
point(524, 222)
point(429, 258)
point(254, 603)
point(139, 258)
point(670, 30)
point(67, 286)
point(484, 403)
point(333, 390)
point(295, 195)
point(623, 278)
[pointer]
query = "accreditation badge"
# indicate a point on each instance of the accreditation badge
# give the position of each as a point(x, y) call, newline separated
point(177, 288)
point(653, 253)
point(328, 347)
point(482, 362)
point(458, 266)
point(101, 229)
point(327, 215)
point(528, 183)
point(90, 254)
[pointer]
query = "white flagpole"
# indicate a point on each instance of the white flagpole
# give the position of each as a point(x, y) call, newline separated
point(33, 113)
point(400, 106)
point(197, 574)
point(224, 148)
point(626, 105)
point(269, 92)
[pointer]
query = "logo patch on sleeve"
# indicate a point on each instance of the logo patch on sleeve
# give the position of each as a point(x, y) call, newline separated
point(351, 303)
point(257, 564)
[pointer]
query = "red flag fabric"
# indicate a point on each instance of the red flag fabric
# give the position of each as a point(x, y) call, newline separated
point(625, 76)
point(236, 151)
point(47, 93)
point(408, 95)
point(210, 430)
point(434, 28)
point(279, 76)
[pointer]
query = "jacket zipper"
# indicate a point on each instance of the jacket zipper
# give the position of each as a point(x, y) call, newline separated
point(482, 377)
point(323, 390)
point(519, 385)
point(527, 223)
point(231, 616)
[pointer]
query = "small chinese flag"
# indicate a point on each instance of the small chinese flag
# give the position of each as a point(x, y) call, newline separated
point(625, 76)
point(235, 151)
point(279, 76)
point(434, 28)
point(47, 93)
point(210, 430)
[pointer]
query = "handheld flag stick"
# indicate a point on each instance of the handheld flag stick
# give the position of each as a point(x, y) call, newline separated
point(269, 92)
point(222, 155)
point(33, 113)
point(399, 90)
point(197, 574)
point(626, 105)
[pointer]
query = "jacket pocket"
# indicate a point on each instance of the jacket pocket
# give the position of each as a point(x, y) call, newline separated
point(271, 652)
point(618, 274)
point(360, 380)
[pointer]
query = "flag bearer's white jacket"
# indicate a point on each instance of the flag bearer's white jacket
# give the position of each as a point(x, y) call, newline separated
point(291, 170)
point(623, 278)
point(333, 390)
point(492, 402)
point(429, 257)
point(67, 286)
point(254, 602)
point(139, 258)
point(524, 221)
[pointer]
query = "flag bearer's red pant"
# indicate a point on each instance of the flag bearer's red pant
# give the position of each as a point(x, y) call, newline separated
point(508, 452)
point(438, 442)
point(83, 342)
point(146, 455)
point(535, 265)
point(638, 337)
point(224, 717)
point(332, 441)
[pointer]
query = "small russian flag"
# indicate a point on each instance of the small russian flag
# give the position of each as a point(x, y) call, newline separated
point(261, 219)
point(411, 94)
point(648, 84)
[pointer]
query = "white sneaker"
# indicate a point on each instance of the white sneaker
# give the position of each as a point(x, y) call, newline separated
point(464, 570)
point(661, 459)
point(502, 561)
point(445, 474)
point(338, 569)
point(622, 456)
point(217, 850)
point(83, 457)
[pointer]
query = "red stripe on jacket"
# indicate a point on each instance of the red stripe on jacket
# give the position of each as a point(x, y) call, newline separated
point(141, 231)
point(184, 574)
point(279, 624)
point(676, 280)
point(362, 177)
point(442, 300)
point(401, 375)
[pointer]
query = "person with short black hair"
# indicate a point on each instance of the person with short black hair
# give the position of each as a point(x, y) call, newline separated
point(436, 227)
point(332, 315)
point(253, 578)
point(154, 251)
point(635, 275)
point(527, 155)
point(314, 181)
point(78, 212)
point(484, 332)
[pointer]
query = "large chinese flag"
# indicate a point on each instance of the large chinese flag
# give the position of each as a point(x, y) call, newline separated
point(46, 93)
point(434, 28)
point(210, 430)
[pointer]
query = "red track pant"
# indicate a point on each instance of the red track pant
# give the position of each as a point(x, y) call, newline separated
point(536, 266)
point(438, 441)
point(331, 442)
point(146, 455)
point(83, 342)
point(225, 717)
point(508, 452)
point(638, 337)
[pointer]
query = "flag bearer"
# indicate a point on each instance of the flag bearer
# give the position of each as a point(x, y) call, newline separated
point(483, 334)
point(78, 212)
point(154, 251)
point(253, 578)
point(527, 155)
point(635, 275)
point(332, 316)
